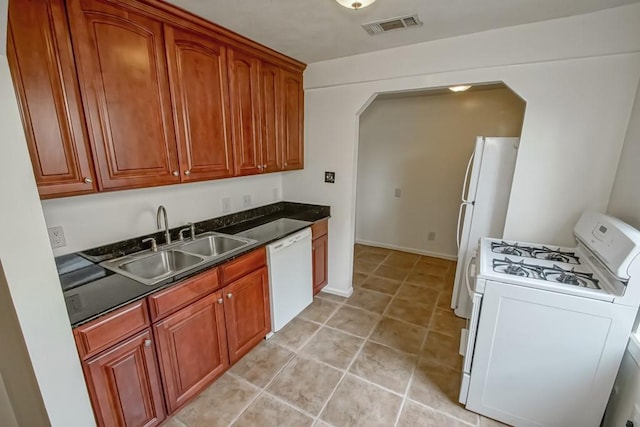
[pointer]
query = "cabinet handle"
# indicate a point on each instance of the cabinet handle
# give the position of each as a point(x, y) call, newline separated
point(187, 173)
point(264, 166)
point(220, 300)
point(147, 343)
point(259, 166)
point(285, 163)
point(229, 296)
point(88, 180)
point(176, 173)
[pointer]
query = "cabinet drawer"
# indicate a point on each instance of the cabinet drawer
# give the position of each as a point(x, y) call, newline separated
point(171, 300)
point(243, 265)
point(108, 330)
point(319, 229)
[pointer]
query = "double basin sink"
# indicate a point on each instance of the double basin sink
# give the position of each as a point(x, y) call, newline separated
point(150, 268)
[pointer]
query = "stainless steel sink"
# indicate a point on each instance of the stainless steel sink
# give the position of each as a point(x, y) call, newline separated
point(160, 264)
point(150, 268)
point(213, 245)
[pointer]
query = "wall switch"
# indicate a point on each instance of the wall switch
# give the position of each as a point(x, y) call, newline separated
point(330, 177)
point(56, 237)
point(276, 194)
point(246, 201)
point(226, 204)
point(431, 235)
point(397, 192)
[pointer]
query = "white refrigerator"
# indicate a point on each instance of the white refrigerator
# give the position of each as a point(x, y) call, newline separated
point(483, 208)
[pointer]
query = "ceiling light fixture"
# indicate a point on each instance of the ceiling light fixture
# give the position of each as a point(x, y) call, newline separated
point(460, 88)
point(355, 4)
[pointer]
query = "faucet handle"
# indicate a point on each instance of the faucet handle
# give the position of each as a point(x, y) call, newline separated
point(192, 228)
point(180, 235)
point(154, 245)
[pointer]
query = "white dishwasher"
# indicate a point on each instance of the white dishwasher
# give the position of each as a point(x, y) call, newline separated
point(290, 277)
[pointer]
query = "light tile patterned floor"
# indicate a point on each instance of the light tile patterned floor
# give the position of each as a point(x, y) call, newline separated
point(387, 356)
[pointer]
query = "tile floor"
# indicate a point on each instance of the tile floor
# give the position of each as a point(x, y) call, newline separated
point(386, 356)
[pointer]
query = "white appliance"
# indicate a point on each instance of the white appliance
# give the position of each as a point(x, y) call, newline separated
point(290, 277)
point(550, 325)
point(483, 210)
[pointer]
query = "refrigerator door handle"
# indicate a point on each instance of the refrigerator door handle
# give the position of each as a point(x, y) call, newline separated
point(459, 227)
point(466, 178)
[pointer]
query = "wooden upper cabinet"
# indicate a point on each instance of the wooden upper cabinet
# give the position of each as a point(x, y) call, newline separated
point(244, 88)
point(124, 384)
point(44, 75)
point(293, 120)
point(198, 80)
point(123, 74)
point(270, 117)
point(247, 312)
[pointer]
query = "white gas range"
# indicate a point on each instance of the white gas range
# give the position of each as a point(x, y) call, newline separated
point(549, 325)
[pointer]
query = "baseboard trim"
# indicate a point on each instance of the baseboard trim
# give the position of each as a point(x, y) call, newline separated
point(410, 250)
point(329, 290)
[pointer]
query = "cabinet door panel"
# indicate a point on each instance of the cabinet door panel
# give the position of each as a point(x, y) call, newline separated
point(245, 102)
point(293, 119)
point(320, 254)
point(271, 117)
point(124, 384)
point(122, 69)
point(198, 78)
point(44, 75)
point(192, 349)
point(247, 312)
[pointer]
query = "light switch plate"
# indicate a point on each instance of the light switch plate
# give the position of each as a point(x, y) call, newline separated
point(56, 237)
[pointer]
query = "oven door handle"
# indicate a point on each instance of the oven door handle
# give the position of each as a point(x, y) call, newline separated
point(467, 275)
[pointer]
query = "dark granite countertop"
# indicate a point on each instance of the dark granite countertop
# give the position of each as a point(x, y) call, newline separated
point(91, 291)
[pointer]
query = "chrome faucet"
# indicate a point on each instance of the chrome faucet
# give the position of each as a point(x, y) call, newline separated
point(162, 211)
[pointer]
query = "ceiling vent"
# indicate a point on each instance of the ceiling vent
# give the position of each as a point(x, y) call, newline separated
point(392, 24)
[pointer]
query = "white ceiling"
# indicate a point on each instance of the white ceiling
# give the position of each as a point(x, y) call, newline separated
point(316, 30)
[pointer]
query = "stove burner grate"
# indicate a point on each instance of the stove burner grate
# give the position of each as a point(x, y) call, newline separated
point(541, 252)
point(551, 274)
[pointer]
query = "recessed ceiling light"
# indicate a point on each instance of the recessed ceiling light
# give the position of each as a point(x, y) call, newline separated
point(355, 4)
point(460, 88)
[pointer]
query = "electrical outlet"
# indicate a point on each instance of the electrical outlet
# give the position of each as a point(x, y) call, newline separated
point(330, 177)
point(246, 201)
point(397, 192)
point(56, 237)
point(226, 204)
point(431, 235)
point(276, 194)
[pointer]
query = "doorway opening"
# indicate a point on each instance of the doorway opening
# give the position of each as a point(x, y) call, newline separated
point(413, 162)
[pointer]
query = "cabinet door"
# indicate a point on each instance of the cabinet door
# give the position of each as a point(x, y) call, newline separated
point(192, 349)
point(123, 74)
point(44, 75)
point(270, 117)
point(293, 120)
point(247, 312)
point(245, 101)
point(320, 254)
point(124, 384)
point(198, 80)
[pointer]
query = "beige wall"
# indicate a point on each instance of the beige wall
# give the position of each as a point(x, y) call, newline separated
point(625, 197)
point(421, 145)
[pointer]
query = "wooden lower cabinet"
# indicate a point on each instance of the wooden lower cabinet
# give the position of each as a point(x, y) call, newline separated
point(192, 349)
point(124, 384)
point(247, 312)
point(199, 329)
point(320, 254)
